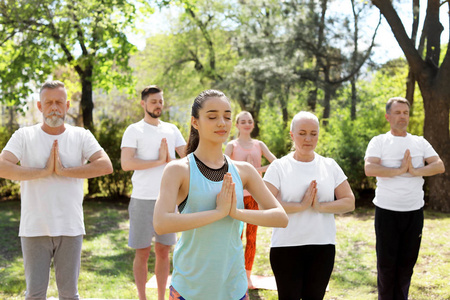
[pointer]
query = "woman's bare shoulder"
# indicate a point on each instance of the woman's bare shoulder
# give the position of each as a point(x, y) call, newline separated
point(177, 167)
point(244, 168)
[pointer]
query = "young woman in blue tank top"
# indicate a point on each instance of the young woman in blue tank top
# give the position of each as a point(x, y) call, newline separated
point(207, 187)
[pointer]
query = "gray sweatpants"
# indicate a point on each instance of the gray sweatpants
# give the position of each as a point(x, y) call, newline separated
point(37, 257)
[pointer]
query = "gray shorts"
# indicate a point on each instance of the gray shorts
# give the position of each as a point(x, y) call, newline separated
point(141, 225)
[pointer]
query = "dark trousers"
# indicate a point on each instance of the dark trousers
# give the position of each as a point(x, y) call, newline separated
point(302, 272)
point(398, 237)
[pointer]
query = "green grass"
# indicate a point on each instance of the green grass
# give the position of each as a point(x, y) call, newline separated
point(106, 270)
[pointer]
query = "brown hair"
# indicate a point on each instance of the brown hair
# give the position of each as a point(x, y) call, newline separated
point(244, 112)
point(151, 89)
point(194, 137)
point(396, 99)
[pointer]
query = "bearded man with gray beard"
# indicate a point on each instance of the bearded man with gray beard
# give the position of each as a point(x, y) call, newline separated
point(52, 170)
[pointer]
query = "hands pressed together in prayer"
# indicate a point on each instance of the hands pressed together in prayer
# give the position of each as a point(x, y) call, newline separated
point(407, 166)
point(310, 197)
point(54, 165)
point(164, 151)
point(226, 199)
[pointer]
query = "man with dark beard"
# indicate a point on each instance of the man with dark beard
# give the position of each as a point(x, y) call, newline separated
point(52, 170)
point(147, 146)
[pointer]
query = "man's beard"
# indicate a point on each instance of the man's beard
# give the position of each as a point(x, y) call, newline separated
point(54, 119)
point(154, 116)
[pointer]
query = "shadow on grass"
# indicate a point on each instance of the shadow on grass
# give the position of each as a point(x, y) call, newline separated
point(435, 215)
point(107, 223)
point(254, 295)
point(10, 248)
point(99, 216)
point(350, 269)
point(365, 210)
point(103, 216)
point(108, 265)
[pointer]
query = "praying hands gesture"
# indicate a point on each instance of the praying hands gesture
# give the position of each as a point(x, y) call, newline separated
point(54, 165)
point(434, 165)
point(226, 199)
point(164, 155)
point(310, 197)
point(407, 166)
point(99, 165)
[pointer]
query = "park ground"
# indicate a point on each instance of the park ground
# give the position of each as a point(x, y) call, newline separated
point(106, 271)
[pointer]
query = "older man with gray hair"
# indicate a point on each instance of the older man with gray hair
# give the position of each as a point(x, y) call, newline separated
point(52, 170)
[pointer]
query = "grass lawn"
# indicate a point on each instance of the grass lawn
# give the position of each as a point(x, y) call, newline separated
point(106, 270)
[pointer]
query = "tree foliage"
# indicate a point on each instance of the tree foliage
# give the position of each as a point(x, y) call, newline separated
point(272, 58)
point(432, 75)
point(118, 184)
point(8, 188)
point(89, 36)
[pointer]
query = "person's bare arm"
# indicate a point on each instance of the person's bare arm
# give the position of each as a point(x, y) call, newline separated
point(174, 185)
point(228, 149)
point(267, 154)
point(434, 165)
point(293, 207)
point(181, 151)
point(270, 213)
point(9, 168)
point(345, 201)
point(130, 162)
point(99, 165)
point(373, 167)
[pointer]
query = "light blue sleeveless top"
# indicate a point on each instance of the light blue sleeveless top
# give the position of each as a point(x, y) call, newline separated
point(208, 262)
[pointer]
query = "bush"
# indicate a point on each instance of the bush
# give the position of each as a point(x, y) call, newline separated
point(109, 135)
point(8, 189)
point(346, 140)
point(273, 132)
point(343, 139)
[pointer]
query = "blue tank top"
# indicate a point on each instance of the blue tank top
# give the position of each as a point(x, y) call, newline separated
point(208, 262)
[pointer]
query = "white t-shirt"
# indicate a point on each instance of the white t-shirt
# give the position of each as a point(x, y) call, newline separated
point(404, 192)
point(146, 139)
point(292, 178)
point(52, 206)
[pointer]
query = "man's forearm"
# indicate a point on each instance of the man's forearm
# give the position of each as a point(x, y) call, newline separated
point(140, 164)
point(12, 171)
point(377, 170)
point(429, 170)
point(96, 168)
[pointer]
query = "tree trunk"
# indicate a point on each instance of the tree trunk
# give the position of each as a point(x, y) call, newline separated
point(87, 107)
point(259, 93)
point(312, 99)
point(12, 118)
point(410, 88)
point(436, 131)
point(432, 79)
point(329, 91)
point(87, 104)
point(283, 98)
point(354, 99)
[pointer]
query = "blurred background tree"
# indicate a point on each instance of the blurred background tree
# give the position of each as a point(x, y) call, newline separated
point(271, 57)
point(88, 36)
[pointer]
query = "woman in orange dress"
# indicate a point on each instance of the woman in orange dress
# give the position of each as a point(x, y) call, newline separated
point(244, 148)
